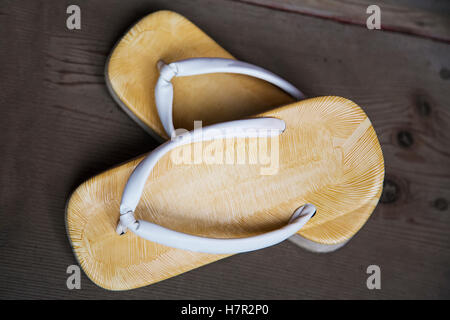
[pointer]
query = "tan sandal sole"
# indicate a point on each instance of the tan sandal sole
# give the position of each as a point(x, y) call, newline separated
point(329, 155)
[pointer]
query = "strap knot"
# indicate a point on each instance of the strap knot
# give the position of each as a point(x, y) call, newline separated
point(127, 220)
point(167, 71)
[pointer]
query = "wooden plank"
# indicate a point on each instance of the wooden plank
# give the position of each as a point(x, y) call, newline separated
point(430, 19)
point(60, 126)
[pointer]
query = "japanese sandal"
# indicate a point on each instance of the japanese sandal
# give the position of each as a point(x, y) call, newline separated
point(131, 74)
point(317, 172)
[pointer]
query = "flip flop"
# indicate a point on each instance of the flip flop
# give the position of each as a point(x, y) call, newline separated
point(317, 171)
point(131, 74)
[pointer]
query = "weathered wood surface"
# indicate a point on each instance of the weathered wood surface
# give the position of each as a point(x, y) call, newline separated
point(430, 19)
point(60, 126)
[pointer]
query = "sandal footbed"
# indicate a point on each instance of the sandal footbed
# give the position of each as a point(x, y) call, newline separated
point(329, 155)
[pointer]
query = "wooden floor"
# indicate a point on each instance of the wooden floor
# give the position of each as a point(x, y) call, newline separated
point(60, 126)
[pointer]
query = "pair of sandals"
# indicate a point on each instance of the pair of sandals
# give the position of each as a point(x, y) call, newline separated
point(311, 170)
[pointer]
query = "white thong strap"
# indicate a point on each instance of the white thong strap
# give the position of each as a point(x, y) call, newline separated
point(135, 186)
point(197, 66)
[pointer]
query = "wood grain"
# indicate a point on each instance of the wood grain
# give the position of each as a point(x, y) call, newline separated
point(430, 19)
point(60, 126)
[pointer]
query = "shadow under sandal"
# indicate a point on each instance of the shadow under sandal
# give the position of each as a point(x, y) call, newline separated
point(231, 187)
